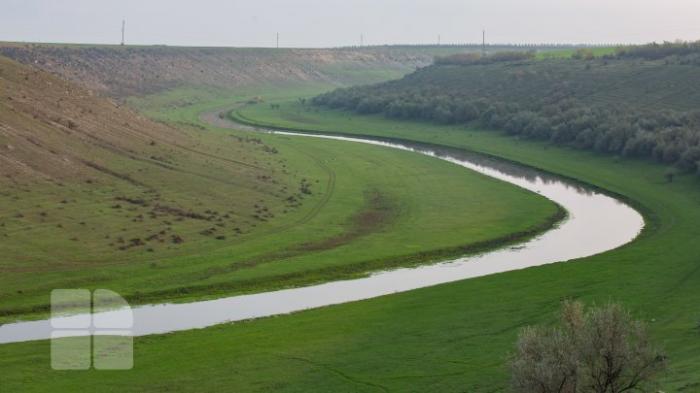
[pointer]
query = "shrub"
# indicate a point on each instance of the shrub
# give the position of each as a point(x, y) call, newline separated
point(603, 350)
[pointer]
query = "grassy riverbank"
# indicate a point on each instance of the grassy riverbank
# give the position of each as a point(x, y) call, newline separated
point(308, 211)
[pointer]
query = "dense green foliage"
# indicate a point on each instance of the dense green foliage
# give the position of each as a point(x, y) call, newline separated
point(617, 106)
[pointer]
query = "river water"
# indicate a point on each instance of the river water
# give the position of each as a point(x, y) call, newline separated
point(595, 223)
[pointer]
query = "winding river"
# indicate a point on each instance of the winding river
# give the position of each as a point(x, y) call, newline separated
point(596, 223)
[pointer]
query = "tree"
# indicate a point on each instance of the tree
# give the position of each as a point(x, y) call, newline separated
point(603, 351)
point(689, 159)
point(543, 362)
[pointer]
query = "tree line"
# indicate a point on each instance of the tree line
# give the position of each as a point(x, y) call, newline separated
point(656, 51)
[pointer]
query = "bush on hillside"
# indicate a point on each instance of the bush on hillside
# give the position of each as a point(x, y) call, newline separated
point(603, 350)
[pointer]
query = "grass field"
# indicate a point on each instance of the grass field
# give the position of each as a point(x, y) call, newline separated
point(452, 337)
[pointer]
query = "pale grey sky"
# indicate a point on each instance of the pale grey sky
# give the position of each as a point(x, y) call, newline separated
point(321, 23)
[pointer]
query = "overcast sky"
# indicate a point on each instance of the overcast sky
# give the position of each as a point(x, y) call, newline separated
point(321, 23)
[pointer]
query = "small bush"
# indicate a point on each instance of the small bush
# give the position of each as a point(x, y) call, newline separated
point(603, 350)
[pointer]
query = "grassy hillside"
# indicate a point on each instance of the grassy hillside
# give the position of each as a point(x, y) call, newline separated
point(90, 186)
point(453, 337)
point(95, 195)
point(139, 70)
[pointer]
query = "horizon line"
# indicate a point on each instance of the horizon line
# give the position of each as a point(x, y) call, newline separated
point(367, 46)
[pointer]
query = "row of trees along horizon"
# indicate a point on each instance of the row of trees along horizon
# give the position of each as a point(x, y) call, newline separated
point(634, 102)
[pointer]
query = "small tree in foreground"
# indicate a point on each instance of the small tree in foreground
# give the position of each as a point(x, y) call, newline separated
point(603, 350)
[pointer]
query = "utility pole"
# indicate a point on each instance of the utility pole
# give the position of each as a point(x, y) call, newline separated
point(278, 40)
point(483, 42)
point(123, 28)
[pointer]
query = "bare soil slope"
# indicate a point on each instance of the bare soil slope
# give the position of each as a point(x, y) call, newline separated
point(53, 129)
